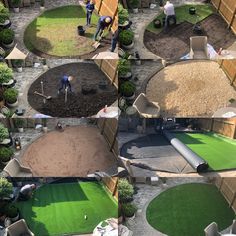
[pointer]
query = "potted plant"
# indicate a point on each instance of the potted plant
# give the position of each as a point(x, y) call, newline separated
point(129, 210)
point(127, 89)
point(7, 38)
point(124, 69)
point(42, 5)
point(125, 191)
point(6, 188)
point(18, 64)
point(6, 75)
point(126, 38)
point(134, 4)
point(20, 123)
point(4, 134)
point(123, 16)
point(5, 155)
point(16, 5)
point(4, 17)
point(12, 212)
point(11, 97)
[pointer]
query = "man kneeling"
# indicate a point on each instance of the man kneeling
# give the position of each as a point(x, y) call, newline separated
point(26, 192)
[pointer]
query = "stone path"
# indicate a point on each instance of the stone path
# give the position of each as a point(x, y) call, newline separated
point(141, 21)
point(145, 194)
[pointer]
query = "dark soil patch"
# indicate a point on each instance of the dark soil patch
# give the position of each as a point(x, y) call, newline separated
point(87, 74)
point(175, 43)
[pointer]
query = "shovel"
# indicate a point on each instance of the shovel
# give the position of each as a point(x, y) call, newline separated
point(97, 43)
point(42, 95)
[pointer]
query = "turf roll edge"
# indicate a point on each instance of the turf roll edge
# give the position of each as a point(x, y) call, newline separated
point(191, 157)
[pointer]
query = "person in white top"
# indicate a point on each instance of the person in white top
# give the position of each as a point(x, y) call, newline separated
point(169, 11)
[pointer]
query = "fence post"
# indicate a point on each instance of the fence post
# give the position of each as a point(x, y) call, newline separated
point(232, 19)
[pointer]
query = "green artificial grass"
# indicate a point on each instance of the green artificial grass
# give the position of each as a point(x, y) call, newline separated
point(55, 32)
point(182, 14)
point(58, 209)
point(187, 209)
point(219, 152)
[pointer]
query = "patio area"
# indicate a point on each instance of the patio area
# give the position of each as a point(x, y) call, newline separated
point(33, 38)
point(147, 195)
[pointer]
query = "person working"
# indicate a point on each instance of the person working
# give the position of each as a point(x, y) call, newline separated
point(26, 192)
point(89, 11)
point(65, 83)
point(103, 22)
point(169, 11)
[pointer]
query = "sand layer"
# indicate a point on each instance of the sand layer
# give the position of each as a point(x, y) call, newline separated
point(77, 151)
point(193, 88)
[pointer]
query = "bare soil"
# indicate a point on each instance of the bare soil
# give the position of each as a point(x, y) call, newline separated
point(78, 105)
point(76, 151)
point(174, 43)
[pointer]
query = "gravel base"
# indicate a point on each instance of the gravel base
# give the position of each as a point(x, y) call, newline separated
point(192, 88)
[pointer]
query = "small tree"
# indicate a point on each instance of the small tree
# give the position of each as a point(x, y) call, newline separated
point(124, 67)
point(6, 73)
point(4, 13)
point(3, 132)
point(6, 188)
point(125, 190)
point(123, 14)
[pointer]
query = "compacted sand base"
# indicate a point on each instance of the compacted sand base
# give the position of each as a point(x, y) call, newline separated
point(77, 151)
point(192, 88)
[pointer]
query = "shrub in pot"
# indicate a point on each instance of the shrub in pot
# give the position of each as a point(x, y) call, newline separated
point(5, 154)
point(4, 16)
point(6, 75)
point(129, 210)
point(126, 38)
point(16, 5)
point(20, 124)
point(12, 212)
point(134, 4)
point(127, 89)
point(10, 96)
point(7, 37)
point(6, 188)
point(125, 191)
point(124, 69)
point(18, 65)
point(123, 16)
point(4, 134)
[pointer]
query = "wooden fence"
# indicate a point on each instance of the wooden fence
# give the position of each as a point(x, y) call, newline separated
point(227, 9)
point(229, 67)
point(108, 8)
point(109, 67)
point(227, 186)
point(226, 127)
point(109, 129)
point(112, 184)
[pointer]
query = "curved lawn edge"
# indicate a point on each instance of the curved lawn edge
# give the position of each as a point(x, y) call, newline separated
point(213, 190)
point(29, 40)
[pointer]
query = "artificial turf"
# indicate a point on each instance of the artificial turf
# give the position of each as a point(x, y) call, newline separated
point(55, 32)
point(219, 152)
point(182, 14)
point(58, 209)
point(187, 209)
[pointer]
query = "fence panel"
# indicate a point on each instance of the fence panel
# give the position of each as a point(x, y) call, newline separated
point(108, 8)
point(111, 183)
point(227, 9)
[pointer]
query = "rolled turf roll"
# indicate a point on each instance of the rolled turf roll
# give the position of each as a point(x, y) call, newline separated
point(191, 157)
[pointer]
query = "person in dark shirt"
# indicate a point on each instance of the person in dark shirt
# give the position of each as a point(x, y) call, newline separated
point(89, 11)
point(103, 22)
point(65, 83)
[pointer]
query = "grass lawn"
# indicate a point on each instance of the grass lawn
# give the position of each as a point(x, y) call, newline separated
point(219, 152)
point(58, 209)
point(55, 32)
point(182, 14)
point(187, 209)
